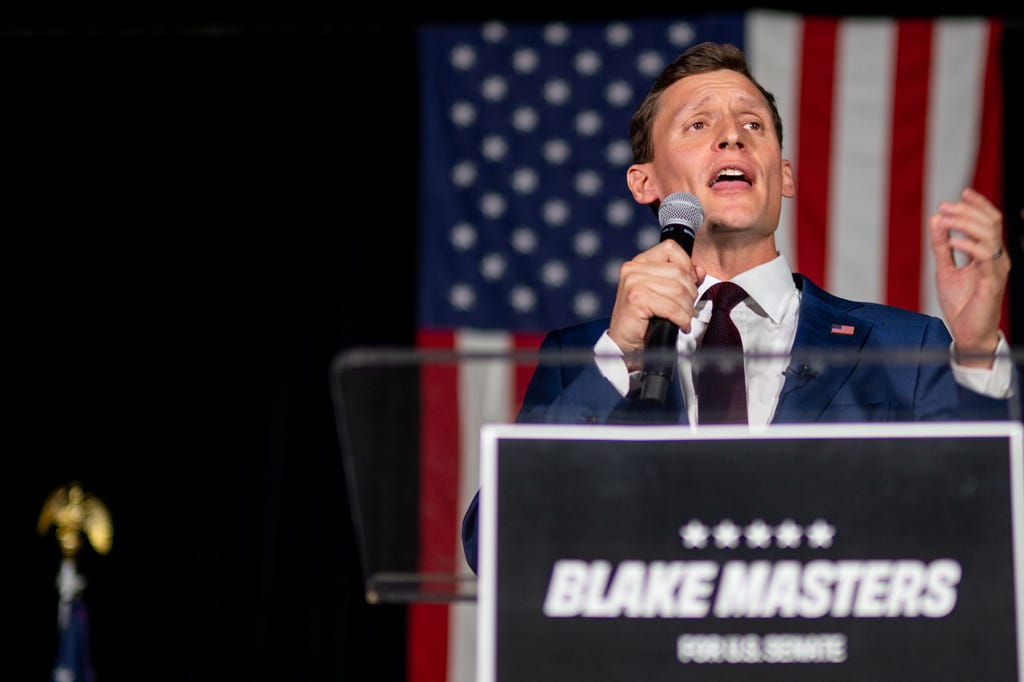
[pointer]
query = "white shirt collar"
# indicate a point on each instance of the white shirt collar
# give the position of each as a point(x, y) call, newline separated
point(770, 285)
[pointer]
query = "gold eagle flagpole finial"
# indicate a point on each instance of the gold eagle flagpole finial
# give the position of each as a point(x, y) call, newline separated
point(74, 511)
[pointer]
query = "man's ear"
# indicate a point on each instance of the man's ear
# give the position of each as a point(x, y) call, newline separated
point(788, 183)
point(641, 184)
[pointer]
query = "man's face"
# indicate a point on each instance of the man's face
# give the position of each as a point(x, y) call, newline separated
point(714, 137)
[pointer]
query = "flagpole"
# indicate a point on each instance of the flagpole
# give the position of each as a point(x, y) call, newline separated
point(70, 583)
point(74, 512)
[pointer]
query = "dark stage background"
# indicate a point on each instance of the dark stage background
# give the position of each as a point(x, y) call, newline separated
point(199, 214)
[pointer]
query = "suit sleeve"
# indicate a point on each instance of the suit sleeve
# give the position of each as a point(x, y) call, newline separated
point(567, 387)
point(939, 397)
point(470, 525)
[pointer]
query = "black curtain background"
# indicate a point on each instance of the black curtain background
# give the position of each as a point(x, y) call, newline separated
point(198, 217)
point(205, 216)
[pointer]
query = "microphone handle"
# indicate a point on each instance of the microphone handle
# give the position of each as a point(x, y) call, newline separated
point(659, 360)
point(660, 340)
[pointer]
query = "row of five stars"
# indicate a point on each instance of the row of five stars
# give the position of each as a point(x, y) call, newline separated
point(727, 534)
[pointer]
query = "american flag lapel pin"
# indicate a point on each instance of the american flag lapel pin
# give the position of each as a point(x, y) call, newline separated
point(844, 329)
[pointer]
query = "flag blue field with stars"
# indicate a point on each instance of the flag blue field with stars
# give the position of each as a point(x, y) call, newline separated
point(525, 215)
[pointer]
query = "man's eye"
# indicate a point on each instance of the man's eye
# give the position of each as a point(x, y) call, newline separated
point(754, 125)
point(699, 125)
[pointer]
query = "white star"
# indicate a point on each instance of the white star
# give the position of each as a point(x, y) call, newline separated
point(618, 152)
point(619, 34)
point(588, 62)
point(463, 236)
point(588, 123)
point(556, 151)
point(585, 304)
point(820, 533)
point(557, 92)
point(492, 266)
point(759, 534)
point(586, 243)
point(618, 93)
point(554, 273)
point(727, 534)
point(611, 271)
point(788, 534)
point(694, 534)
point(525, 119)
point(555, 211)
point(525, 60)
point(681, 34)
point(463, 114)
point(463, 57)
point(493, 205)
point(649, 63)
point(525, 180)
point(524, 239)
point(647, 236)
point(494, 88)
point(494, 148)
point(495, 31)
point(618, 212)
point(522, 299)
point(461, 296)
point(588, 183)
point(556, 34)
point(464, 173)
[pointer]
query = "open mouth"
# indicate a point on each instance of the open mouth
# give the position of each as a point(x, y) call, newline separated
point(730, 175)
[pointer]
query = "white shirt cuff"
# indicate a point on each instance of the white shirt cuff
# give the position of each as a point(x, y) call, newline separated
point(993, 382)
point(612, 365)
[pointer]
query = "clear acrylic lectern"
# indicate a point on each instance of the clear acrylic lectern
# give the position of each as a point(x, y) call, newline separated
point(409, 424)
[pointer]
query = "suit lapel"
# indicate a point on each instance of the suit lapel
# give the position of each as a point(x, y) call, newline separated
point(813, 379)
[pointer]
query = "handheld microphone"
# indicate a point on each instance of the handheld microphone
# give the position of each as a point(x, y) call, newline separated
point(680, 216)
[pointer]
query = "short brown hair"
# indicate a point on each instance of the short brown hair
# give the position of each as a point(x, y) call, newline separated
point(701, 58)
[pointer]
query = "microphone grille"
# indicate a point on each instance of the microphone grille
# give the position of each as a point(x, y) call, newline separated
point(681, 207)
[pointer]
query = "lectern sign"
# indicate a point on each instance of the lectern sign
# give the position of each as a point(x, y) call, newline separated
point(839, 552)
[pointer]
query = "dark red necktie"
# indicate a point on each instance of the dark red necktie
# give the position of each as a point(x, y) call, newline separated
point(720, 385)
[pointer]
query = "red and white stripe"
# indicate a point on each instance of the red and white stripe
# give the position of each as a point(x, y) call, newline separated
point(456, 400)
point(884, 118)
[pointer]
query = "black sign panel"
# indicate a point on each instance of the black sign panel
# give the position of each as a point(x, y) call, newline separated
point(889, 552)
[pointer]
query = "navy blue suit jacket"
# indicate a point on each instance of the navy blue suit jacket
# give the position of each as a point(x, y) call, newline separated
point(850, 391)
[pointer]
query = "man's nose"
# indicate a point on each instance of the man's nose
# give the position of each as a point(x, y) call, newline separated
point(730, 136)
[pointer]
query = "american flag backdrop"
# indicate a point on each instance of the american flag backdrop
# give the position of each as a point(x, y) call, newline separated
point(525, 216)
